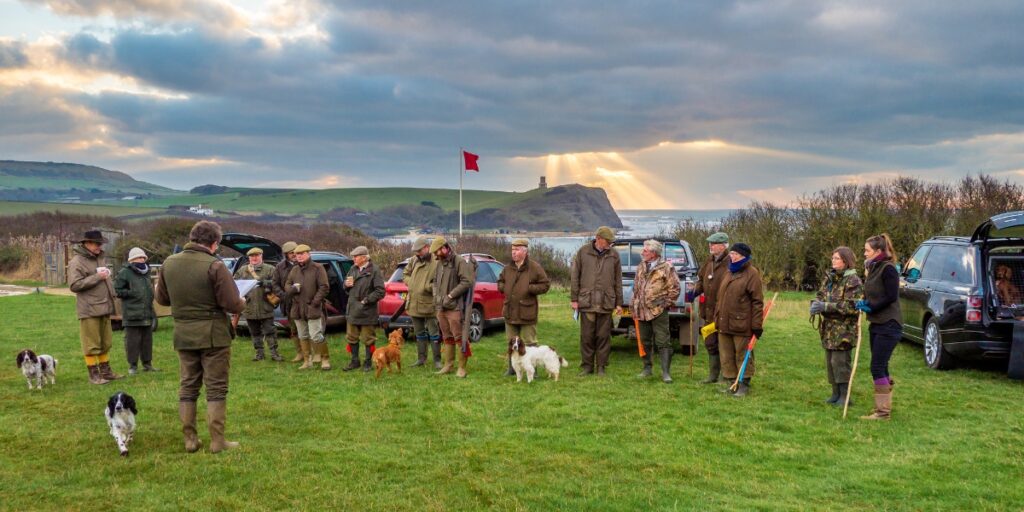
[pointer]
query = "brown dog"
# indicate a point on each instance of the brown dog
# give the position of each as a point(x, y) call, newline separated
point(390, 354)
point(1007, 292)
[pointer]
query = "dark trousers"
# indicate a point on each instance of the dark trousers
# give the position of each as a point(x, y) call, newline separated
point(262, 329)
point(656, 332)
point(595, 339)
point(884, 338)
point(838, 366)
point(711, 343)
point(209, 366)
point(138, 341)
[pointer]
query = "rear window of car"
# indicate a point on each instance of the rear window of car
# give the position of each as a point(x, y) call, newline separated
point(396, 276)
point(676, 255)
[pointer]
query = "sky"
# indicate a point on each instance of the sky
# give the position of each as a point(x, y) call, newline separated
point(682, 105)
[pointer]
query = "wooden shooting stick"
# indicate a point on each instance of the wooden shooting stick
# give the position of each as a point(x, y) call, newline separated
point(856, 357)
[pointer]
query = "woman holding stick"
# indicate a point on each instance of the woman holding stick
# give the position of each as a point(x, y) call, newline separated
point(836, 302)
point(881, 303)
point(739, 314)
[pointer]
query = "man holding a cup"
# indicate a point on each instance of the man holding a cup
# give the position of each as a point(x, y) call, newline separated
point(307, 286)
point(90, 280)
point(365, 287)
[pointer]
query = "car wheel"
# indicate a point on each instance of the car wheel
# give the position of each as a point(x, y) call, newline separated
point(476, 325)
point(156, 323)
point(935, 355)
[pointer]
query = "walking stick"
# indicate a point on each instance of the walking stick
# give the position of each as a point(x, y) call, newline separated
point(750, 346)
point(856, 357)
point(639, 344)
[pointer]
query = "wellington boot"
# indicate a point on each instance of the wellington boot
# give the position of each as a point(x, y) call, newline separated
point(187, 413)
point(94, 375)
point(647, 359)
point(743, 389)
point(447, 359)
point(258, 356)
point(714, 369)
point(421, 351)
point(316, 357)
point(325, 356)
point(844, 389)
point(215, 417)
point(435, 349)
point(368, 362)
point(461, 373)
point(306, 348)
point(727, 385)
point(274, 354)
point(298, 351)
point(106, 372)
point(511, 372)
point(834, 399)
point(666, 365)
point(883, 404)
point(354, 363)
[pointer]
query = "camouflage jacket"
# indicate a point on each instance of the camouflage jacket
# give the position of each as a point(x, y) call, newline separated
point(838, 326)
point(654, 290)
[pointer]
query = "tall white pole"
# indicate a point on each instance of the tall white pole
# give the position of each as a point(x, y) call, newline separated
point(461, 155)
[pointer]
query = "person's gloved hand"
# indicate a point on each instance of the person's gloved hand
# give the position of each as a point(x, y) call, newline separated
point(817, 307)
point(757, 332)
point(862, 305)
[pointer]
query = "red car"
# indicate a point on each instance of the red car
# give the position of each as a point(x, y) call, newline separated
point(488, 301)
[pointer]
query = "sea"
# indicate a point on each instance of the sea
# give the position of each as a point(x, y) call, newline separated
point(636, 224)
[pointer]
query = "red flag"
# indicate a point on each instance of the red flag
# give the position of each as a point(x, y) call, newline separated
point(471, 159)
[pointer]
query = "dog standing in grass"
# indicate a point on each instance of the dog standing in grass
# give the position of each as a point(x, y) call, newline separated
point(392, 353)
point(525, 359)
point(120, 413)
point(37, 368)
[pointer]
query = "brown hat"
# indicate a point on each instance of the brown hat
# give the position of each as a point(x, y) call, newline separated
point(289, 247)
point(606, 233)
point(301, 248)
point(360, 251)
point(93, 235)
point(520, 242)
point(254, 251)
point(438, 243)
point(421, 242)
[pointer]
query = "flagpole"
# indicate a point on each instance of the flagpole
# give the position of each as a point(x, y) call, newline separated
point(460, 192)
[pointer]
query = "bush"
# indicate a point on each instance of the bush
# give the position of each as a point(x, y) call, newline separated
point(12, 257)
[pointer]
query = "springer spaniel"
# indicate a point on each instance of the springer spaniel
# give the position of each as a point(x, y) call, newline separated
point(120, 413)
point(526, 359)
point(37, 367)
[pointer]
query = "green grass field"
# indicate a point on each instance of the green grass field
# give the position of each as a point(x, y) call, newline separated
point(367, 199)
point(23, 207)
point(335, 440)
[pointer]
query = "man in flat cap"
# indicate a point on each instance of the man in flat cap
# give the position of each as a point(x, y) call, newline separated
point(259, 310)
point(709, 279)
point(307, 287)
point(281, 271)
point(90, 279)
point(419, 277)
point(453, 287)
point(595, 293)
point(522, 282)
point(365, 286)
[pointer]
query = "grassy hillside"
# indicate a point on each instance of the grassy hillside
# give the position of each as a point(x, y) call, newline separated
point(20, 207)
point(66, 176)
point(318, 201)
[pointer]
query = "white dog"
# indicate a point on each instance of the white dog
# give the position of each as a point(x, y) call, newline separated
point(38, 368)
point(120, 413)
point(526, 359)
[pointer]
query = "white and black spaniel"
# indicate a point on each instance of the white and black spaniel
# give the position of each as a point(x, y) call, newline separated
point(37, 367)
point(120, 414)
point(526, 358)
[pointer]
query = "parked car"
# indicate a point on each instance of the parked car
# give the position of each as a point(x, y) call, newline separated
point(961, 297)
point(488, 301)
point(336, 264)
point(680, 255)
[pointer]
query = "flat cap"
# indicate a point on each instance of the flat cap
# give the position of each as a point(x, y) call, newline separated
point(360, 251)
point(289, 247)
point(254, 250)
point(606, 233)
point(419, 243)
point(438, 243)
point(520, 242)
point(718, 238)
point(301, 248)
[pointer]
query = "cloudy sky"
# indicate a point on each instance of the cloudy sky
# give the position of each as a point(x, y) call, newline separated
point(701, 104)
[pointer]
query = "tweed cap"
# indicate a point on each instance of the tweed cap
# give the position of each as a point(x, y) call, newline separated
point(438, 243)
point(289, 247)
point(419, 243)
point(520, 242)
point(606, 233)
point(254, 251)
point(301, 248)
point(360, 251)
point(718, 238)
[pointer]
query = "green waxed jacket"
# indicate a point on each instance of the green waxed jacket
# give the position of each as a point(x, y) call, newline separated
point(136, 293)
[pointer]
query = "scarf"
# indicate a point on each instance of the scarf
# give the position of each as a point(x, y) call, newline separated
point(882, 256)
point(736, 266)
point(140, 268)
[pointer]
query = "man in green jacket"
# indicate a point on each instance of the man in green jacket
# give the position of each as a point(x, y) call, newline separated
point(259, 312)
point(134, 288)
point(453, 286)
point(709, 277)
point(596, 292)
point(89, 278)
point(419, 278)
point(522, 282)
point(201, 293)
point(365, 288)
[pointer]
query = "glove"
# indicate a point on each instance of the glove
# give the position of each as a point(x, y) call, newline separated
point(757, 332)
point(690, 296)
point(862, 305)
point(817, 307)
point(267, 284)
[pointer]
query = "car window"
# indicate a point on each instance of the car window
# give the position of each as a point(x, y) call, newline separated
point(345, 265)
point(484, 274)
point(676, 255)
point(496, 268)
point(623, 251)
point(396, 276)
point(949, 263)
point(332, 273)
point(917, 260)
